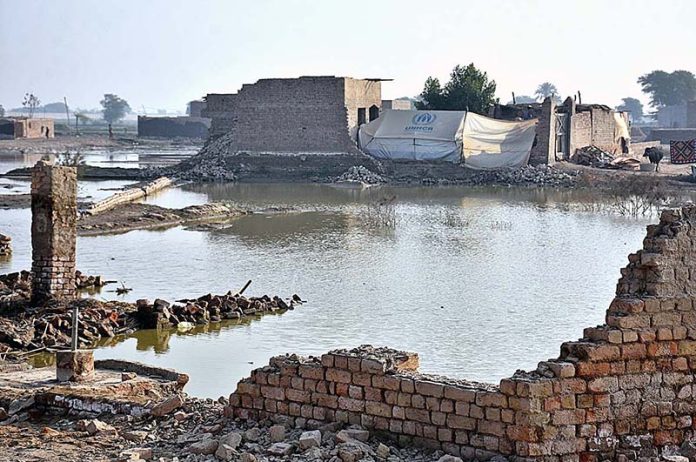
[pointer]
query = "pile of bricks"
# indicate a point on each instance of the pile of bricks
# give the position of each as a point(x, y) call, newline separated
point(5, 245)
point(625, 391)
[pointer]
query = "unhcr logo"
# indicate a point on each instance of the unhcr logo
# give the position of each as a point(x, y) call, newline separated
point(425, 118)
point(421, 122)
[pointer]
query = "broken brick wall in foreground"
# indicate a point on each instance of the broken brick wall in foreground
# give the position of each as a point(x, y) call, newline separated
point(625, 391)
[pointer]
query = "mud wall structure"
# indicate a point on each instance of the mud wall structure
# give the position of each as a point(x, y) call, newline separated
point(592, 125)
point(53, 231)
point(624, 391)
point(544, 149)
point(303, 115)
point(173, 127)
point(24, 127)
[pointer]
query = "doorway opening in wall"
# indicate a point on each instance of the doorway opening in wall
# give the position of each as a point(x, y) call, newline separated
point(374, 112)
point(362, 116)
point(561, 136)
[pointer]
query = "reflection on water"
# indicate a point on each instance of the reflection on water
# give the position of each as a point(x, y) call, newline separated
point(480, 282)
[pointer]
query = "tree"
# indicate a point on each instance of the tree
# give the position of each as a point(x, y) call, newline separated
point(114, 108)
point(545, 90)
point(2, 111)
point(31, 102)
point(467, 90)
point(431, 97)
point(668, 89)
point(632, 105)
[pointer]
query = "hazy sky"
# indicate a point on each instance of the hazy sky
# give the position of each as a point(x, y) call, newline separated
point(163, 53)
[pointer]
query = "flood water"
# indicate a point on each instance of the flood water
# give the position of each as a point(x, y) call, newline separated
point(480, 282)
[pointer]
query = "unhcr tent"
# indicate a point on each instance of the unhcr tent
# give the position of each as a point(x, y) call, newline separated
point(455, 136)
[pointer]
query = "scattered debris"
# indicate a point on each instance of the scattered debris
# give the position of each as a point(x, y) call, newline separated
point(593, 156)
point(596, 157)
point(542, 175)
point(360, 175)
point(5, 245)
point(25, 328)
point(83, 281)
point(209, 308)
point(209, 164)
point(205, 434)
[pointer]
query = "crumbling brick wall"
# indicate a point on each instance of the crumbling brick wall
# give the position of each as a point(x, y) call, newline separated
point(624, 391)
point(593, 126)
point(543, 150)
point(303, 115)
point(53, 231)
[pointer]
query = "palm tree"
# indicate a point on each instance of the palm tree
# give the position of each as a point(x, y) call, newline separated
point(545, 90)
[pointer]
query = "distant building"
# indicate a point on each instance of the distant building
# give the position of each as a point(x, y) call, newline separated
point(173, 127)
point(195, 108)
point(565, 128)
point(677, 116)
point(25, 127)
point(295, 115)
point(397, 104)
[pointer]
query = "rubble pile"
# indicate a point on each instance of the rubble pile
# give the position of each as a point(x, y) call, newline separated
point(542, 175)
point(209, 164)
point(199, 431)
point(51, 325)
point(5, 245)
point(592, 156)
point(16, 287)
point(23, 327)
point(209, 308)
point(360, 174)
point(84, 281)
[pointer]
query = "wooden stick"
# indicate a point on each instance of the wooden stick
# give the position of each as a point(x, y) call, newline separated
point(245, 287)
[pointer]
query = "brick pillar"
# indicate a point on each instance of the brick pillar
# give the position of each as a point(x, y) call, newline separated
point(53, 231)
point(544, 152)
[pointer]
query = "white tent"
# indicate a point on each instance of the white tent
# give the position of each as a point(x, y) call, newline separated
point(455, 136)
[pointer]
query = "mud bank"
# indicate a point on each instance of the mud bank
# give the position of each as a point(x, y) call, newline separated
point(147, 216)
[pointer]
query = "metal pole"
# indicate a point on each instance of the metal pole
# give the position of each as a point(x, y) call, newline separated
point(75, 329)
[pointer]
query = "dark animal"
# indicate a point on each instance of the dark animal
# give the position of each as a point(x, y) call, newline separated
point(655, 155)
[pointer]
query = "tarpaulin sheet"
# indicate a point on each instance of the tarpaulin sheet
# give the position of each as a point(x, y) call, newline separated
point(414, 135)
point(453, 136)
point(489, 144)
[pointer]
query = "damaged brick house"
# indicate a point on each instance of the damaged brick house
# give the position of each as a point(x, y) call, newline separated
point(565, 128)
point(294, 128)
point(290, 116)
point(26, 127)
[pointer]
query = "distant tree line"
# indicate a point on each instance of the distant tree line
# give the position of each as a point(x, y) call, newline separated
point(113, 109)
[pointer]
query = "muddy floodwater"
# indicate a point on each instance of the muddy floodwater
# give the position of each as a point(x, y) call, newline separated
point(479, 282)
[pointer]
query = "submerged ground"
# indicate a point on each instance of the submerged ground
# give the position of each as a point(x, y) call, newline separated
point(479, 281)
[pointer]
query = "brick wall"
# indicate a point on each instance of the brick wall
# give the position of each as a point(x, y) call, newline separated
point(53, 231)
point(543, 152)
point(33, 128)
point(304, 115)
point(594, 126)
point(624, 391)
point(580, 131)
